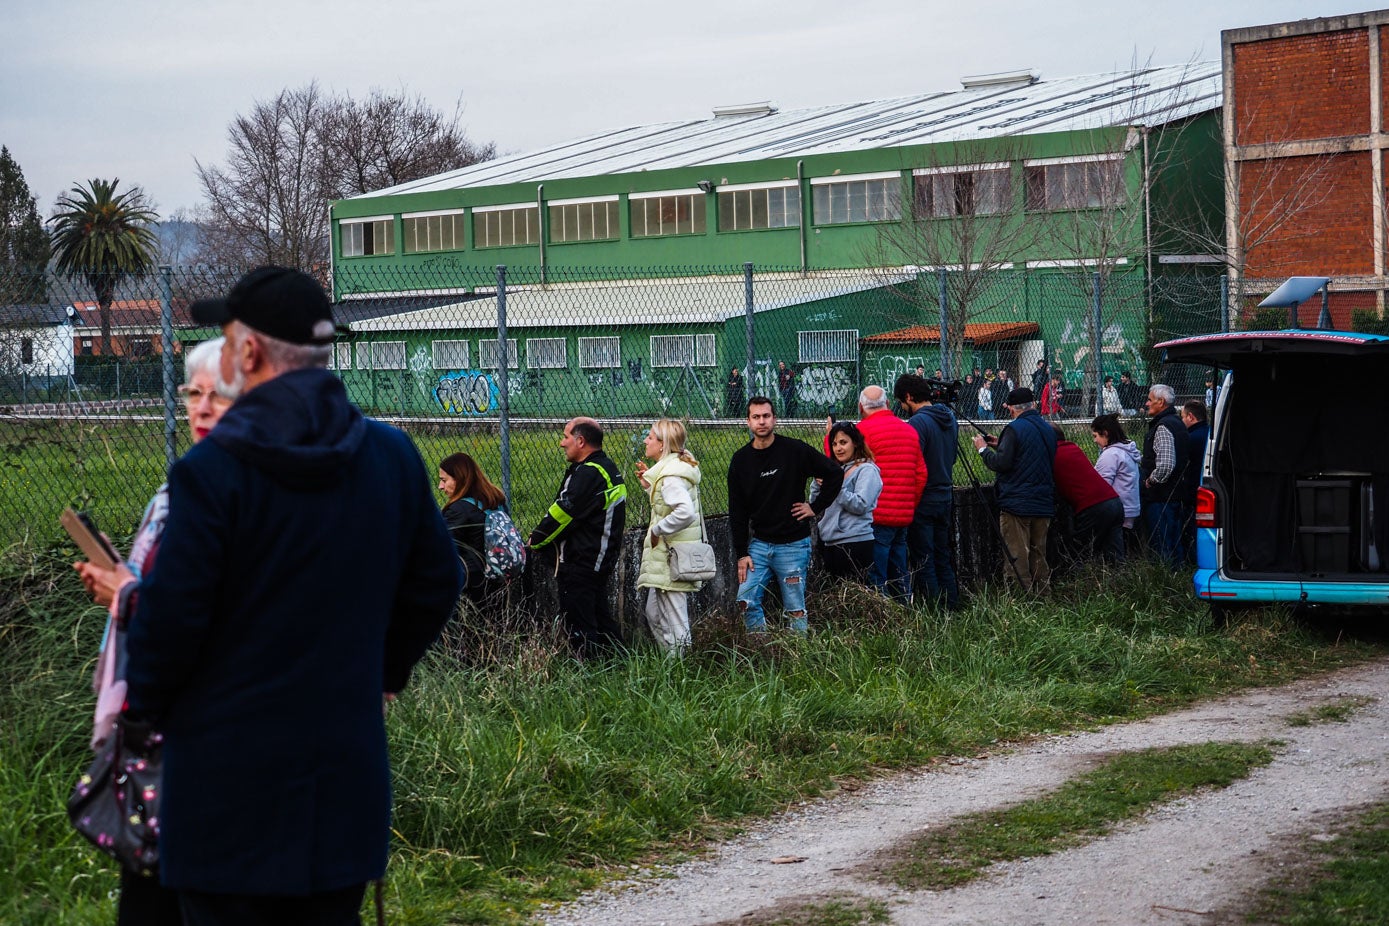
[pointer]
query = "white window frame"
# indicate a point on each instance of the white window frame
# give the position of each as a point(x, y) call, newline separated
point(373, 355)
point(587, 345)
point(733, 189)
point(543, 362)
point(441, 363)
point(342, 356)
point(930, 173)
point(700, 349)
point(892, 205)
point(487, 354)
point(349, 233)
point(698, 203)
point(1109, 157)
point(611, 214)
point(835, 345)
point(460, 227)
point(532, 226)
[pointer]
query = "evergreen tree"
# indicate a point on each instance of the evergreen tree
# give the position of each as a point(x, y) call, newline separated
point(24, 249)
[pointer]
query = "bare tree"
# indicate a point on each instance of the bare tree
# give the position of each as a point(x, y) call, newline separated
point(293, 154)
point(385, 140)
point(963, 221)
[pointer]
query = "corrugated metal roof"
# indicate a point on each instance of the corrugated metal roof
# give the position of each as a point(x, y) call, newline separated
point(975, 333)
point(1146, 96)
point(686, 300)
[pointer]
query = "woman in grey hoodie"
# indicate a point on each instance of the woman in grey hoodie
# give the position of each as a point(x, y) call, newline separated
point(846, 527)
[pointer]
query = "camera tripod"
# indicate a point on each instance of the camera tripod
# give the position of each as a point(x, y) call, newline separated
point(974, 482)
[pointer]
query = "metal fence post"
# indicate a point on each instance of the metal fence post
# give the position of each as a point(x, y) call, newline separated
point(166, 344)
point(944, 301)
point(1224, 302)
point(749, 373)
point(503, 388)
point(1095, 346)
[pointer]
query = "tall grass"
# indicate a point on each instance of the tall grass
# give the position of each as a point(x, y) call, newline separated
point(522, 776)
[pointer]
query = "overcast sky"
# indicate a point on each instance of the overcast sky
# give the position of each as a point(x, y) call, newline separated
point(142, 88)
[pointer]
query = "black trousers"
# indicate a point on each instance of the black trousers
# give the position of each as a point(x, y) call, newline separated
point(848, 560)
point(332, 908)
point(583, 602)
point(1100, 529)
point(144, 902)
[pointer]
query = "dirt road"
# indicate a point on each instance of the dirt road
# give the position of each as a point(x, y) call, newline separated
point(1191, 861)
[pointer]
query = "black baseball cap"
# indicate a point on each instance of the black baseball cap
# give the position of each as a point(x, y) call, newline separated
point(1020, 396)
point(281, 302)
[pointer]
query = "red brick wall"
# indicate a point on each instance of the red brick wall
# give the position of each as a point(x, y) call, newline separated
point(1275, 79)
point(1331, 227)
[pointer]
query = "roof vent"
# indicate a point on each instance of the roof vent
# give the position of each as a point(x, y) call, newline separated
point(745, 109)
point(1002, 79)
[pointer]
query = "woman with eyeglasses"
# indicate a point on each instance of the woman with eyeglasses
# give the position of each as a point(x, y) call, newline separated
point(671, 482)
point(142, 899)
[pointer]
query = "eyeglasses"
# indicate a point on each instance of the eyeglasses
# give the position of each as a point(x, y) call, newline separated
point(192, 395)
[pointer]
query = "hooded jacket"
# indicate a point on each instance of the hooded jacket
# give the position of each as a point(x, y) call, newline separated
point(302, 572)
point(1118, 464)
point(940, 443)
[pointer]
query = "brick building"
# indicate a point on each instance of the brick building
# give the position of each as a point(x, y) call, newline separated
point(1305, 156)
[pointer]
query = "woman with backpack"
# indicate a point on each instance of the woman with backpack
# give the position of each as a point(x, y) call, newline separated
point(469, 496)
point(671, 482)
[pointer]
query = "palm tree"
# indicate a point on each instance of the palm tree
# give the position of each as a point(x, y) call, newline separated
point(103, 236)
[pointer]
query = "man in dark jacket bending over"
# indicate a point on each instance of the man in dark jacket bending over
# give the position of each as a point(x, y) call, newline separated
point(303, 571)
point(585, 522)
point(1022, 458)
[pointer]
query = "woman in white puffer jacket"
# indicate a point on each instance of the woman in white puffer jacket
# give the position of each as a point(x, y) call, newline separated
point(672, 484)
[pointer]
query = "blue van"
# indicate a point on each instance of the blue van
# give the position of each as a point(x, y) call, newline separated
point(1294, 497)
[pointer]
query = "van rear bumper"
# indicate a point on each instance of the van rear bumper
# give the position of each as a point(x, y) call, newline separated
point(1215, 588)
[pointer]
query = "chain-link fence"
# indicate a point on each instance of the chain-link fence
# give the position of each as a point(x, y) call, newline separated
point(494, 364)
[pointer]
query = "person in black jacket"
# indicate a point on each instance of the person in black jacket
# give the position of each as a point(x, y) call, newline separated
point(585, 523)
point(766, 492)
point(1197, 433)
point(303, 570)
point(734, 392)
point(1162, 474)
point(1022, 457)
point(469, 495)
point(928, 538)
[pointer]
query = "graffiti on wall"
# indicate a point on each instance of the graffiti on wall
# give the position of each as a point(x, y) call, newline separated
point(469, 392)
point(824, 387)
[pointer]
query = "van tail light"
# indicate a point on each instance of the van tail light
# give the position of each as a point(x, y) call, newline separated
point(1205, 507)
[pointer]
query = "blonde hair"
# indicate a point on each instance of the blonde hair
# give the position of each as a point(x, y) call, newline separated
point(671, 434)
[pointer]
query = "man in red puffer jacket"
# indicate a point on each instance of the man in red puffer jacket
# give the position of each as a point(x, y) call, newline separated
point(896, 449)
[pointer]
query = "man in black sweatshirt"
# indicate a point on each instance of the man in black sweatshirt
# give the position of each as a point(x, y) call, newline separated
point(928, 538)
point(585, 523)
point(766, 491)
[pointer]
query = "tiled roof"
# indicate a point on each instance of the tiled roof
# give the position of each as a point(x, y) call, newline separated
point(975, 333)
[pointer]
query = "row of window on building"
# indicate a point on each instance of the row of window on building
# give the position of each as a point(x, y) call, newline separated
point(594, 353)
point(1084, 182)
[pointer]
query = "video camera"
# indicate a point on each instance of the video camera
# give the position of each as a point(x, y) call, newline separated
point(942, 391)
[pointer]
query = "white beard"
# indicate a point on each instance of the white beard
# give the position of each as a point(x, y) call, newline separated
point(232, 390)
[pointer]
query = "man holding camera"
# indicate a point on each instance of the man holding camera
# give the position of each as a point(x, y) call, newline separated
point(928, 537)
point(1022, 457)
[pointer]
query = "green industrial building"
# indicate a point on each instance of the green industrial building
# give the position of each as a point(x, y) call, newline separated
point(1007, 200)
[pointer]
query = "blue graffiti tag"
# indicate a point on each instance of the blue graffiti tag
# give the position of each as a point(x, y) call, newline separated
point(466, 393)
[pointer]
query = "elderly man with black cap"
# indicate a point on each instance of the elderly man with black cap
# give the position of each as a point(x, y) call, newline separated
point(303, 571)
point(1023, 458)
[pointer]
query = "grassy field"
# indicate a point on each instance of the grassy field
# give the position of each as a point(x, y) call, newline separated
point(525, 779)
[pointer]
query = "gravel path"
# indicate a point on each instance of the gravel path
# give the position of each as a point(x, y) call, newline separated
point(1185, 862)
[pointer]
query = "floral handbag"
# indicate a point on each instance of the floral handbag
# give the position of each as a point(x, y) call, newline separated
point(115, 804)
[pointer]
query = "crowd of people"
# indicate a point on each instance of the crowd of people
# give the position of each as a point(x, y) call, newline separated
point(287, 578)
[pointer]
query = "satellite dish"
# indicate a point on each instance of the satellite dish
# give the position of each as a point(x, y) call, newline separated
point(72, 312)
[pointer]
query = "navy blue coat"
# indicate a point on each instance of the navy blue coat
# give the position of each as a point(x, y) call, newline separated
point(1023, 461)
point(303, 571)
point(940, 442)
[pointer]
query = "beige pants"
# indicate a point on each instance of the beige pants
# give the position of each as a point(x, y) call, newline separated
point(668, 616)
point(1025, 559)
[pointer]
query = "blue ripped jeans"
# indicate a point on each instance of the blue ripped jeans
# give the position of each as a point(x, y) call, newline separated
point(788, 562)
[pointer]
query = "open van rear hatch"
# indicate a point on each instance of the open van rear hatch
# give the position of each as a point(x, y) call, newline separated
point(1300, 456)
point(1224, 349)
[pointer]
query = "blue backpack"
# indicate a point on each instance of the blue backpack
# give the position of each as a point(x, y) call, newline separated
point(503, 548)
